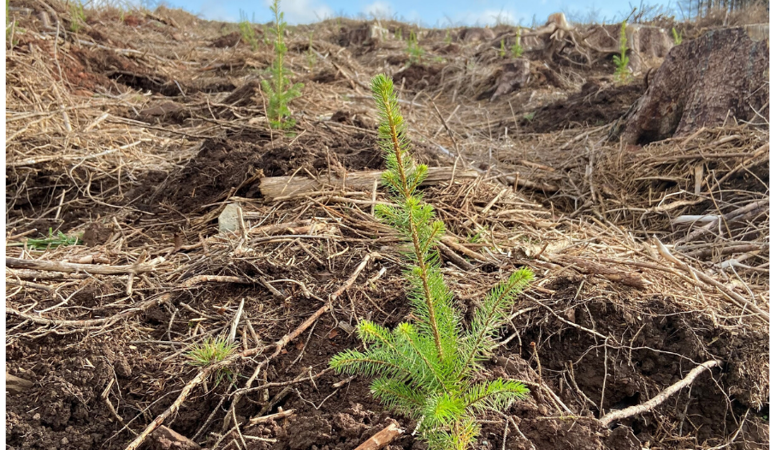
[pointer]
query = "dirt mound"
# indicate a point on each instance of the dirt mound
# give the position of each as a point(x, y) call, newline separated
point(234, 165)
point(227, 41)
point(417, 77)
point(599, 102)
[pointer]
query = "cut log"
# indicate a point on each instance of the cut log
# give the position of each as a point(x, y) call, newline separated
point(291, 187)
point(719, 78)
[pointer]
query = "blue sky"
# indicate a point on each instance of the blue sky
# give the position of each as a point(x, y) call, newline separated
point(428, 13)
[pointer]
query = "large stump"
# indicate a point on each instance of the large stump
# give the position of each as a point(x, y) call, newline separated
point(719, 78)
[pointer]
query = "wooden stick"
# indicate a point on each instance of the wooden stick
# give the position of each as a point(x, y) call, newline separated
point(55, 266)
point(279, 415)
point(660, 398)
point(382, 438)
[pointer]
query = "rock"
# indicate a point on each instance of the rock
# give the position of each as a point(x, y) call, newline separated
point(228, 219)
point(165, 438)
point(719, 78)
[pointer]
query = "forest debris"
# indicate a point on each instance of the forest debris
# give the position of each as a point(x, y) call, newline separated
point(702, 278)
point(286, 187)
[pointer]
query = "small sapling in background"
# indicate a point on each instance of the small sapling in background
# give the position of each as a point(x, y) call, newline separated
point(621, 61)
point(516, 49)
point(677, 36)
point(247, 31)
point(279, 89)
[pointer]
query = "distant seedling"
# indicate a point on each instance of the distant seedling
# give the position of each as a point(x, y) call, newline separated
point(677, 36)
point(77, 16)
point(448, 37)
point(502, 52)
point(516, 49)
point(429, 369)
point(398, 34)
point(279, 89)
point(247, 31)
point(621, 61)
point(413, 49)
point(310, 54)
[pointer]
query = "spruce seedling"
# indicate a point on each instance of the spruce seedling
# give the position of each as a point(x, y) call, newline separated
point(677, 36)
point(247, 31)
point(77, 16)
point(621, 61)
point(413, 49)
point(428, 369)
point(517, 50)
point(310, 54)
point(502, 52)
point(212, 351)
point(279, 89)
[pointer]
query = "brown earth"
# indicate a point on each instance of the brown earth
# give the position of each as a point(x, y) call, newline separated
point(164, 124)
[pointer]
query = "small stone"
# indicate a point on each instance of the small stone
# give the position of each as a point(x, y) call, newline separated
point(64, 441)
point(228, 219)
point(36, 416)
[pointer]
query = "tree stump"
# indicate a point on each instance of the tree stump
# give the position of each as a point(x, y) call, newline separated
point(719, 78)
point(511, 76)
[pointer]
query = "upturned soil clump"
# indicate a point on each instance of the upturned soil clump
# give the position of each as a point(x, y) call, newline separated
point(646, 228)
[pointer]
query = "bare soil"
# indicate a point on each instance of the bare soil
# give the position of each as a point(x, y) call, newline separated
point(180, 100)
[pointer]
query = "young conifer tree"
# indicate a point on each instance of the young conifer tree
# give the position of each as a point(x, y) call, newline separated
point(279, 89)
point(428, 369)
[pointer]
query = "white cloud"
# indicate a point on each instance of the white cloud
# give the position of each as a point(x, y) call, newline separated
point(487, 17)
point(304, 11)
point(378, 10)
point(213, 10)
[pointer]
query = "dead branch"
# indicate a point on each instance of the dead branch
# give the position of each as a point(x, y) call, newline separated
point(66, 267)
point(264, 419)
point(660, 398)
